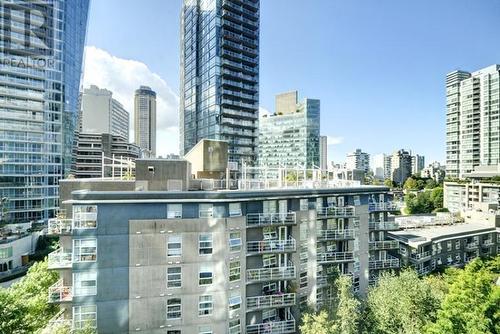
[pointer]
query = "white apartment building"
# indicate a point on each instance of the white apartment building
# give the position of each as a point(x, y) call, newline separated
point(358, 160)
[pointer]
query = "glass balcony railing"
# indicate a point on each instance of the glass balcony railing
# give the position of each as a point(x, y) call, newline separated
point(423, 256)
point(383, 226)
point(84, 220)
point(334, 257)
point(343, 211)
point(388, 263)
point(58, 226)
point(58, 293)
point(271, 246)
point(59, 259)
point(332, 235)
point(383, 206)
point(271, 274)
point(273, 327)
point(270, 301)
point(270, 219)
point(385, 244)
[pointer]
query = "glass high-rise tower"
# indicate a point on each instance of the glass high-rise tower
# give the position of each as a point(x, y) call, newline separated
point(41, 53)
point(220, 75)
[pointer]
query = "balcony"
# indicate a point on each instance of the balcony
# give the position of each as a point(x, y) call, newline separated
point(332, 235)
point(419, 257)
point(59, 259)
point(390, 262)
point(334, 212)
point(84, 220)
point(270, 301)
point(273, 327)
point(270, 219)
point(58, 293)
point(381, 245)
point(271, 274)
point(424, 270)
point(271, 246)
point(470, 246)
point(335, 257)
point(58, 226)
point(487, 243)
point(383, 206)
point(383, 226)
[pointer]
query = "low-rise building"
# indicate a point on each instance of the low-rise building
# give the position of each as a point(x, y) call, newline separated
point(239, 261)
point(429, 242)
point(17, 243)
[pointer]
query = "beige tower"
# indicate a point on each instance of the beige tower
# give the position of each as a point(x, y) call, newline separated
point(145, 120)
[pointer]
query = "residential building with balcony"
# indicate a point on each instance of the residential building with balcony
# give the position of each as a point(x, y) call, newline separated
point(427, 243)
point(358, 160)
point(291, 136)
point(239, 261)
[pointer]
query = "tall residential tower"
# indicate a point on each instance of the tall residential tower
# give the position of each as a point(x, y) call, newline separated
point(220, 75)
point(472, 123)
point(39, 87)
point(145, 120)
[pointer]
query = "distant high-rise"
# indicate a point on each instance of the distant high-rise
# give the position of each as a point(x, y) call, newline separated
point(220, 75)
point(400, 166)
point(378, 166)
point(417, 164)
point(101, 113)
point(472, 122)
point(145, 120)
point(358, 160)
point(39, 89)
point(323, 152)
point(290, 137)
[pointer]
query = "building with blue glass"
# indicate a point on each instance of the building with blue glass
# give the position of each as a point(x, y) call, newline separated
point(39, 88)
point(220, 75)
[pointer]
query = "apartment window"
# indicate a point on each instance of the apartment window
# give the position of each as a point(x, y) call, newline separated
point(205, 210)
point(457, 244)
point(174, 332)
point(205, 244)
point(84, 315)
point(269, 315)
point(234, 241)
point(174, 277)
point(174, 308)
point(448, 246)
point(84, 250)
point(234, 209)
point(205, 330)
point(85, 217)
point(331, 201)
point(234, 300)
point(174, 211)
point(206, 274)
point(174, 245)
point(357, 200)
point(269, 232)
point(234, 326)
point(234, 271)
point(340, 201)
point(205, 305)
point(304, 204)
point(6, 252)
point(270, 288)
point(85, 283)
point(303, 279)
point(269, 260)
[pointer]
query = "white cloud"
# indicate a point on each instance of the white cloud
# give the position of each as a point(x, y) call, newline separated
point(334, 140)
point(123, 77)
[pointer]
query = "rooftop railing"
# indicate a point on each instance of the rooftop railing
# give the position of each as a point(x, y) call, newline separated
point(271, 246)
point(271, 274)
point(267, 219)
point(270, 301)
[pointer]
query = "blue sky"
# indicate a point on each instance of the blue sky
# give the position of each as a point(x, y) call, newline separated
point(378, 67)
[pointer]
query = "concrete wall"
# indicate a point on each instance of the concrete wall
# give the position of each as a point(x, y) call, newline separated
point(158, 174)
point(286, 103)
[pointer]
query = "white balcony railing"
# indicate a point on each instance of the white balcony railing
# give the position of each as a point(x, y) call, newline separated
point(84, 220)
point(270, 301)
point(341, 211)
point(383, 226)
point(472, 245)
point(271, 246)
point(271, 274)
point(58, 226)
point(273, 327)
point(383, 206)
point(421, 256)
point(328, 235)
point(265, 219)
point(424, 270)
point(60, 259)
point(389, 262)
point(385, 244)
point(58, 293)
point(334, 257)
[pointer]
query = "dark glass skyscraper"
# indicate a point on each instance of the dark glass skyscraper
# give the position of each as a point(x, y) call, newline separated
point(220, 75)
point(41, 53)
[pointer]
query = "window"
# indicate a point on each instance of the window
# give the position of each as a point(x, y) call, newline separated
point(174, 308)
point(84, 315)
point(5, 253)
point(174, 332)
point(205, 330)
point(205, 305)
point(357, 200)
point(174, 211)
point(304, 204)
point(448, 245)
point(84, 250)
point(234, 326)
point(457, 244)
point(205, 276)
point(234, 300)
point(174, 245)
point(340, 201)
point(84, 216)
point(234, 209)
point(205, 210)
point(85, 283)
point(234, 271)
point(269, 260)
point(234, 241)
point(269, 232)
point(331, 201)
point(205, 243)
point(174, 277)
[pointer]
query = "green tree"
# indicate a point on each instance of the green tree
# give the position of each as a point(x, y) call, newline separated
point(401, 304)
point(410, 184)
point(431, 184)
point(437, 197)
point(319, 323)
point(389, 183)
point(472, 304)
